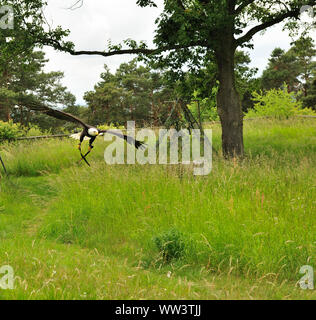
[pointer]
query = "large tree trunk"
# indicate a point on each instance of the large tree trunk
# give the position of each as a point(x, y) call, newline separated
point(228, 102)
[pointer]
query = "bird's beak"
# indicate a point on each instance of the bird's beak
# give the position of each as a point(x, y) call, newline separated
point(97, 133)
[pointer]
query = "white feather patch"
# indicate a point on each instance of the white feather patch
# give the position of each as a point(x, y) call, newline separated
point(76, 136)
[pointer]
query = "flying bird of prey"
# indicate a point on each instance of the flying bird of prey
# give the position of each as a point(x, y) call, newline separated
point(89, 132)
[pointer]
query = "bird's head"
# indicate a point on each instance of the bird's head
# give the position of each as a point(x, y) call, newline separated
point(93, 132)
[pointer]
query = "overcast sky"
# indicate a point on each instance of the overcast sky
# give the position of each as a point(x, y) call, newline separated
point(97, 21)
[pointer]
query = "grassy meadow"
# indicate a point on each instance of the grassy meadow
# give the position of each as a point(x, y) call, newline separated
point(158, 232)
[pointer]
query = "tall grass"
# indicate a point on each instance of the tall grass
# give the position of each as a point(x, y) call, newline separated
point(248, 219)
point(42, 157)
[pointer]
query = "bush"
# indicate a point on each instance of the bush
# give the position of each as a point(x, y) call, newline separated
point(111, 126)
point(34, 130)
point(171, 244)
point(277, 103)
point(9, 131)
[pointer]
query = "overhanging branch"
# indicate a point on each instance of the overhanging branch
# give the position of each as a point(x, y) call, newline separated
point(294, 13)
point(144, 51)
point(279, 18)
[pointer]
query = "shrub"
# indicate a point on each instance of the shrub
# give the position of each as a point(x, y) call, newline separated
point(34, 130)
point(171, 244)
point(9, 131)
point(111, 126)
point(277, 103)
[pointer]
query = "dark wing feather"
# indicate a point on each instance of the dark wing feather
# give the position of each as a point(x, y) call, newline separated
point(56, 113)
point(137, 144)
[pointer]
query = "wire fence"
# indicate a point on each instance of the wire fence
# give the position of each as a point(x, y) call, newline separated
point(54, 136)
point(44, 137)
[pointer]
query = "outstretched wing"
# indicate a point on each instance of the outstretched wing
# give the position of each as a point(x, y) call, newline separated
point(137, 144)
point(55, 113)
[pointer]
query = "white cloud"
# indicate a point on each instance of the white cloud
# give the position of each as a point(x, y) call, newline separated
point(91, 27)
point(97, 21)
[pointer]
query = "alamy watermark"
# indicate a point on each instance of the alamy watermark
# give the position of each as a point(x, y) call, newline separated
point(307, 281)
point(195, 148)
point(6, 277)
point(6, 17)
point(306, 14)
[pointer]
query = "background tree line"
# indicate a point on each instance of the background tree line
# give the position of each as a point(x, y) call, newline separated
point(145, 92)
